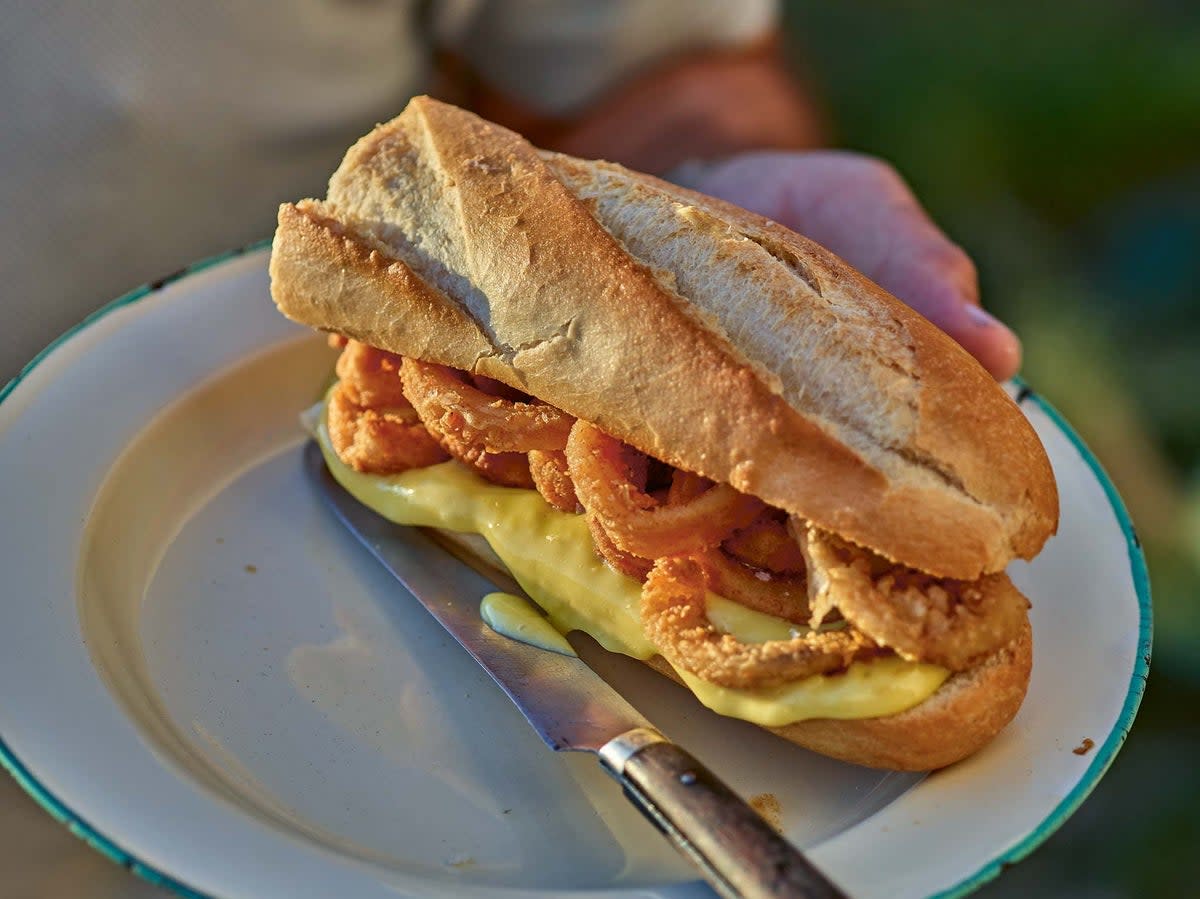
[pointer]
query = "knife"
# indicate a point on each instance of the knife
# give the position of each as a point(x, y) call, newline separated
point(573, 709)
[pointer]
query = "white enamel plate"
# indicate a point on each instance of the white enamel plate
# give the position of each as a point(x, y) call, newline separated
point(209, 681)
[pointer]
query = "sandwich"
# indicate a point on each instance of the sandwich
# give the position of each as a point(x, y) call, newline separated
point(686, 430)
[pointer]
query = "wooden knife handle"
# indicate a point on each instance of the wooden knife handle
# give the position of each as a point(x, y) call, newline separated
point(738, 853)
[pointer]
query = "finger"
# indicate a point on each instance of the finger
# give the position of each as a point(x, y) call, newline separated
point(938, 280)
point(861, 209)
point(934, 287)
point(991, 342)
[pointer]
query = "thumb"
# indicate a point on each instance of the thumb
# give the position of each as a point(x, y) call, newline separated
point(941, 284)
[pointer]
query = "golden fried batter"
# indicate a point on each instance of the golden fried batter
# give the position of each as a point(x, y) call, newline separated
point(626, 563)
point(552, 479)
point(470, 416)
point(378, 441)
point(636, 521)
point(371, 377)
point(923, 618)
point(766, 543)
point(675, 618)
point(770, 592)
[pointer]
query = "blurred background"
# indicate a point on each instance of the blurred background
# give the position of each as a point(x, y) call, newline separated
point(1060, 144)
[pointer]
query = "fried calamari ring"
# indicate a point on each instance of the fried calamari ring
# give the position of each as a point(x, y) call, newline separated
point(782, 595)
point(923, 618)
point(548, 468)
point(626, 563)
point(422, 382)
point(766, 543)
point(751, 579)
point(675, 618)
point(505, 469)
point(685, 487)
point(371, 377)
point(378, 441)
point(636, 521)
point(449, 405)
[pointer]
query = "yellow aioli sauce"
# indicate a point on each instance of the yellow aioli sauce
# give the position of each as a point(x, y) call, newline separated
point(550, 553)
point(518, 619)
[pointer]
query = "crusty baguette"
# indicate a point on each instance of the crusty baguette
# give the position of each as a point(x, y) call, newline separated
point(700, 334)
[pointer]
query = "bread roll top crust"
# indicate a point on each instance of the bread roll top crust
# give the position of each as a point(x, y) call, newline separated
point(697, 332)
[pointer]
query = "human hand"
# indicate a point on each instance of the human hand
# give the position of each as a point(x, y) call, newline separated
point(861, 209)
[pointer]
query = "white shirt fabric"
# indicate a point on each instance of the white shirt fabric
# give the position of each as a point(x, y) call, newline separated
point(139, 135)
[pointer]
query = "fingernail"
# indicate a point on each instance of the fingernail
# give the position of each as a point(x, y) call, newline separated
point(980, 317)
point(1000, 349)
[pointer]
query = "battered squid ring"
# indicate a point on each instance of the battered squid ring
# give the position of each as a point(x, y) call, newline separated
point(770, 592)
point(950, 623)
point(379, 441)
point(759, 566)
point(548, 468)
point(685, 487)
point(423, 383)
point(675, 618)
point(505, 469)
point(626, 563)
point(635, 521)
point(371, 376)
point(767, 543)
point(448, 404)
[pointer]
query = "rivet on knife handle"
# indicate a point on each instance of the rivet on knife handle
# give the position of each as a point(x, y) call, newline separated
point(740, 855)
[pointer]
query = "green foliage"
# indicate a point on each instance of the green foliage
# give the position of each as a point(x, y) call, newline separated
point(1066, 104)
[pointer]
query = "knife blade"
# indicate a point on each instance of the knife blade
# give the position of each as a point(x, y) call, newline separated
point(573, 709)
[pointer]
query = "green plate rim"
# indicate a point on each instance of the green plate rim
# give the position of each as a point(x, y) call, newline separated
point(1100, 762)
point(35, 788)
point(1137, 682)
